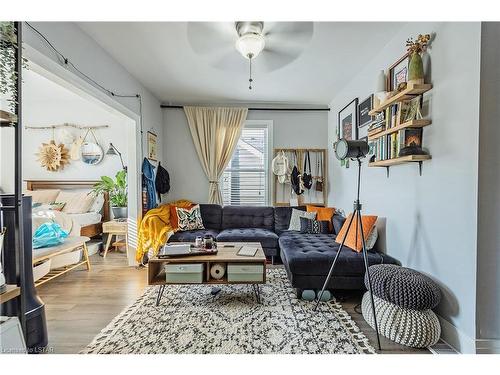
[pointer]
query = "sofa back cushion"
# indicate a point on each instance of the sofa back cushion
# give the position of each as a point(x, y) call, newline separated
point(211, 214)
point(247, 217)
point(282, 217)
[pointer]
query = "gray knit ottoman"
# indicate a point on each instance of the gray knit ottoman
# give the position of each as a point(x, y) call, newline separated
point(404, 287)
point(414, 328)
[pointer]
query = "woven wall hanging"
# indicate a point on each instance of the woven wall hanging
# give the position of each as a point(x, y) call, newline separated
point(53, 157)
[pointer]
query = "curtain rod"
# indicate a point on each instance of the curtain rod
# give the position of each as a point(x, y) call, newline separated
point(259, 108)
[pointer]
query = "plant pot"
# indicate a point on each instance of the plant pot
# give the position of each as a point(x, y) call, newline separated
point(120, 212)
point(416, 69)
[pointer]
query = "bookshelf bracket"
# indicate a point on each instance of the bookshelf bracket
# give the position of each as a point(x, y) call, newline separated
point(420, 168)
point(387, 170)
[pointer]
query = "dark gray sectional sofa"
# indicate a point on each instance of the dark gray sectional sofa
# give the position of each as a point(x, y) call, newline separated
point(306, 257)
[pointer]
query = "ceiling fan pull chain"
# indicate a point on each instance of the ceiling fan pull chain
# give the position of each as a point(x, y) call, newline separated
point(250, 80)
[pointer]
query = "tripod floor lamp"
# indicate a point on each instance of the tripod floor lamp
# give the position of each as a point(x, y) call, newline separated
point(355, 150)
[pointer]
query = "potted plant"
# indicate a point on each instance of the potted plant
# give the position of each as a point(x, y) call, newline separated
point(117, 190)
point(8, 75)
point(416, 66)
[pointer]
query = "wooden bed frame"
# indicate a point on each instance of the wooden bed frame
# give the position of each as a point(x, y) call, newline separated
point(90, 230)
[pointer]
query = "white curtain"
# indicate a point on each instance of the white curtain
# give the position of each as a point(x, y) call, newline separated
point(215, 132)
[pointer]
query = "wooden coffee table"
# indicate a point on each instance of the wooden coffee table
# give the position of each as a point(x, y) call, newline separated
point(246, 270)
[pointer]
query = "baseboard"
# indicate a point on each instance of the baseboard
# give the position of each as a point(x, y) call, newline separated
point(488, 346)
point(458, 340)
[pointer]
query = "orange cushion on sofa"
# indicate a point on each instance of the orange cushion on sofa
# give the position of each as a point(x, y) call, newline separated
point(174, 219)
point(323, 213)
point(351, 240)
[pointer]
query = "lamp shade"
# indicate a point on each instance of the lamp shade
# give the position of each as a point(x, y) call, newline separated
point(351, 149)
point(250, 45)
point(111, 150)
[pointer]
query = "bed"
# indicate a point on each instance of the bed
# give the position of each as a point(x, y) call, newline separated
point(90, 222)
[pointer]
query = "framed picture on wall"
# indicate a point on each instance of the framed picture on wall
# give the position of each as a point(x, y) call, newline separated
point(364, 119)
point(348, 121)
point(152, 137)
point(398, 73)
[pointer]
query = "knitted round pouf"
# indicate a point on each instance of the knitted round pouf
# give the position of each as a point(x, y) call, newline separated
point(417, 329)
point(404, 287)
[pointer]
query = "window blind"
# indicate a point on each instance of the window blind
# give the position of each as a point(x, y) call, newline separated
point(244, 181)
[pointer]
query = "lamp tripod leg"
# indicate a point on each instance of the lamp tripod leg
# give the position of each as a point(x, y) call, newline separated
point(334, 261)
point(367, 270)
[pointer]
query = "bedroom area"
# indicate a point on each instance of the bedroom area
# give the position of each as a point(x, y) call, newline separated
point(70, 141)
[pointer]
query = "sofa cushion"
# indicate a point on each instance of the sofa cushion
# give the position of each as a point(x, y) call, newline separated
point(211, 214)
point(312, 254)
point(248, 217)
point(266, 237)
point(190, 235)
point(282, 217)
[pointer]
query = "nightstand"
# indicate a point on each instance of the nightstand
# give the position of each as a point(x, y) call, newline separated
point(115, 228)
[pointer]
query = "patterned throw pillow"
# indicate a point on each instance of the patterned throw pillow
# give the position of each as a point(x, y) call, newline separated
point(295, 219)
point(189, 218)
point(313, 226)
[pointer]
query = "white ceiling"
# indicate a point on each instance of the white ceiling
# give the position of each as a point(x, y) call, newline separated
point(160, 55)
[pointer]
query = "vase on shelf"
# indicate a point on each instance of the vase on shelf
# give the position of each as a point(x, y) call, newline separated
point(416, 69)
point(380, 88)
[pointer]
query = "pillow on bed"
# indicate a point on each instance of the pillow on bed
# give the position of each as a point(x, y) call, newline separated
point(76, 202)
point(98, 203)
point(43, 196)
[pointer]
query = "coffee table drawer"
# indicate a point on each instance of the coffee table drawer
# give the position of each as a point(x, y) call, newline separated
point(245, 272)
point(184, 273)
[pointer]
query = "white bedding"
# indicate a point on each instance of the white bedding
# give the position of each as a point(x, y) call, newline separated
point(86, 218)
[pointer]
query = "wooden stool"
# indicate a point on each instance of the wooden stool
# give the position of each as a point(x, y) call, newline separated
point(115, 228)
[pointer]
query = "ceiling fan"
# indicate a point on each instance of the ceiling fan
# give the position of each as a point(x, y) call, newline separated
point(275, 43)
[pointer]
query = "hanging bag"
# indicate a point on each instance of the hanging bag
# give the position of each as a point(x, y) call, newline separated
point(280, 167)
point(307, 177)
point(296, 178)
point(319, 166)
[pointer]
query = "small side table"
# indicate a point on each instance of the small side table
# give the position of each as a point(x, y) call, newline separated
point(115, 228)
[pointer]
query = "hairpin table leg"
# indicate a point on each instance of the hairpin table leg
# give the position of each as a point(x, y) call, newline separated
point(160, 294)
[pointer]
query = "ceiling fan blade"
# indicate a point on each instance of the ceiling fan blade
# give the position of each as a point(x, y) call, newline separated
point(209, 37)
point(273, 59)
point(299, 31)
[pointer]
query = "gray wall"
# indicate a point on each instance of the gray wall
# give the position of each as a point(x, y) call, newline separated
point(488, 262)
point(187, 179)
point(428, 222)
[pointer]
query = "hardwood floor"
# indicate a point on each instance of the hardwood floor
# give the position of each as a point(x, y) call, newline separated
point(79, 304)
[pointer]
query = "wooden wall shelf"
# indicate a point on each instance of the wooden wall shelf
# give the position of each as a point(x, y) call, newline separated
point(12, 291)
point(410, 92)
point(401, 160)
point(395, 129)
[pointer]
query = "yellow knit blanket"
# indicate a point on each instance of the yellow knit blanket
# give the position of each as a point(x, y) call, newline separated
point(155, 229)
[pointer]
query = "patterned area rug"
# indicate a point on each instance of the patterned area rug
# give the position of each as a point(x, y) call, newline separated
point(190, 320)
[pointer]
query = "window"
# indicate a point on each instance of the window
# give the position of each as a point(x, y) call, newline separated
point(245, 181)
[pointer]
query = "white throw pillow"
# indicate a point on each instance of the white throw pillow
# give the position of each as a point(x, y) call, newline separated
point(372, 238)
point(295, 219)
point(43, 196)
point(98, 203)
point(76, 202)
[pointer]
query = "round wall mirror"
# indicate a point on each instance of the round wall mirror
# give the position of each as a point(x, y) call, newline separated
point(91, 153)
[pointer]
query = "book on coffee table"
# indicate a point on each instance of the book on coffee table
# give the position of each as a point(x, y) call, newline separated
point(247, 251)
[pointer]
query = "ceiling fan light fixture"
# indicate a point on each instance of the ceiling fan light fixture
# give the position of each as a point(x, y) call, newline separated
point(250, 45)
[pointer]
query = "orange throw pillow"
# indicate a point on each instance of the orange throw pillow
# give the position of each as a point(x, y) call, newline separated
point(351, 240)
point(174, 219)
point(323, 213)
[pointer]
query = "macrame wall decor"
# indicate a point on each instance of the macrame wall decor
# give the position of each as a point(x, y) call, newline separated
point(53, 157)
